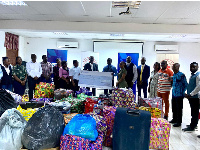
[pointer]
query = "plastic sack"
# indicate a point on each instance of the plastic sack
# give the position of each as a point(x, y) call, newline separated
point(44, 129)
point(83, 126)
point(64, 107)
point(6, 101)
point(17, 97)
point(12, 124)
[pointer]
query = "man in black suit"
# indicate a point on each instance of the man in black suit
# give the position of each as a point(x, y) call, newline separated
point(91, 66)
point(143, 75)
point(131, 75)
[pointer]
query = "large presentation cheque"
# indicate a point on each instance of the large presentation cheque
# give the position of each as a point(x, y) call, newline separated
point(94, 79)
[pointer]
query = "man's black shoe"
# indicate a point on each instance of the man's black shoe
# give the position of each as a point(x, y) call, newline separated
point(172, 121)
point(177, 125)
point(165, 117)
point(189, 129)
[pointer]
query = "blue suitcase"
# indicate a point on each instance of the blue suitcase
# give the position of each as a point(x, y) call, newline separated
point(131, 129)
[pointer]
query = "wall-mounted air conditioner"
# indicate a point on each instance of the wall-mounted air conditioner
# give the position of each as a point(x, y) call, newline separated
point(67, 44)
point(166, 48)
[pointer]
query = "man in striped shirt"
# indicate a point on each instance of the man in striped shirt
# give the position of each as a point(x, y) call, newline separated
point(164, 85)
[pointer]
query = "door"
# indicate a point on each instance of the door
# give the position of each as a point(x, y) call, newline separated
point(12, 54)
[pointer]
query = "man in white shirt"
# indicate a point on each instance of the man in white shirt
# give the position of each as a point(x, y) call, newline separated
point(34, 71)
point(74, 74)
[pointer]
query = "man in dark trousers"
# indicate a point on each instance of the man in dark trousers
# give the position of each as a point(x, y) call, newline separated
point(192, 95)
point(34, 71)
point(91, 66)
point(110, 68)
point(131, 69)
point(143, 75)
point(179, 87)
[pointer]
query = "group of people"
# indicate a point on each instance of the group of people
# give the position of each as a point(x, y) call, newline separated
point(14, 78)
point(162, 79)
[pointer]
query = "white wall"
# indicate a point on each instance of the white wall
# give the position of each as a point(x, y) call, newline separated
point(2, 48)
point(39, 47)
point(188, 53)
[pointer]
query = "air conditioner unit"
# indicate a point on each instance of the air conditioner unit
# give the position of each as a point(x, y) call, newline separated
point(67, 44)
point(166, 48)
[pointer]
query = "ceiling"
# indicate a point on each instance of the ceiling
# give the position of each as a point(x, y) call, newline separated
point(150, 12)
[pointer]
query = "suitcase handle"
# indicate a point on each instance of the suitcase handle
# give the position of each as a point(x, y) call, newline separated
point(133, 112)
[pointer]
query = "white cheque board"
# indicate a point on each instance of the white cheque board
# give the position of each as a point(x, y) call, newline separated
point(95, 79)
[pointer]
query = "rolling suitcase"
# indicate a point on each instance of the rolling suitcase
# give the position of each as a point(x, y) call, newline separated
point(131, 129)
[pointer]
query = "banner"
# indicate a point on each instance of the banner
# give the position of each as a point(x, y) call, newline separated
point(95, 79)
point(85, 58)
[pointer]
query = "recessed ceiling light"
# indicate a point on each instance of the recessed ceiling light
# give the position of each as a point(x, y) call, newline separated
point(13, 3)
point(60, 33)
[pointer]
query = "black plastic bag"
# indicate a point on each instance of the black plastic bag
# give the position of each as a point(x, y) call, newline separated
point(6, 101)
point(44, 129)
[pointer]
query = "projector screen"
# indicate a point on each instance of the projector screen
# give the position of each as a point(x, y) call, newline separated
point(111, 49)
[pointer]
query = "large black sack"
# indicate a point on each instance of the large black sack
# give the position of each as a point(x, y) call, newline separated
point(44, 129)
point(6, 101)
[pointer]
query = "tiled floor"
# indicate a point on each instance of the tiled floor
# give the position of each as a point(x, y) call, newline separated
point(180, 140)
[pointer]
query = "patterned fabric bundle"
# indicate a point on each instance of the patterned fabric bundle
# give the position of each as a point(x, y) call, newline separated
point(77, 105)
point(69, 142)
point(68, 117)
point(101, 124)
point(109, 115)
point(25, 98)
point(27, 114)
point(159, 134)
point(155, 112)
point(151, 102)
point(62, 93)
point(89, 104)
point(83, 91)
point(17, 97)
point(44, 90)
point(123, 98)
point(42, 100)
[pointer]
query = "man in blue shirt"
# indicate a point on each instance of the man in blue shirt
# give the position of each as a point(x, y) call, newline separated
point(110, 68)
point(192, 95)
point(179, 87)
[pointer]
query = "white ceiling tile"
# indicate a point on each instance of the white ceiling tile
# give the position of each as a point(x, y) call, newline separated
point(44, 7)
point(189, 21)
point(12, 17)
point(23, 9)
point(143, 20)
point(167, 21)
point(152, 8)
point(70, 8)
point(97, 8)
point(6, 10)
point(181, 9)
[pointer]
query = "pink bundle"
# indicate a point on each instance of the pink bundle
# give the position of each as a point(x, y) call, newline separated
point(159, 134)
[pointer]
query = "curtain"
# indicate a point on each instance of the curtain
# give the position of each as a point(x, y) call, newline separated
point(11, 41)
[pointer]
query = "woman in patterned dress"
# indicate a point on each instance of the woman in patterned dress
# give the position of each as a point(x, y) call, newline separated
point(153, 84)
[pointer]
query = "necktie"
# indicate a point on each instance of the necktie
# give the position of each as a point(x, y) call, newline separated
point(141, 73)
